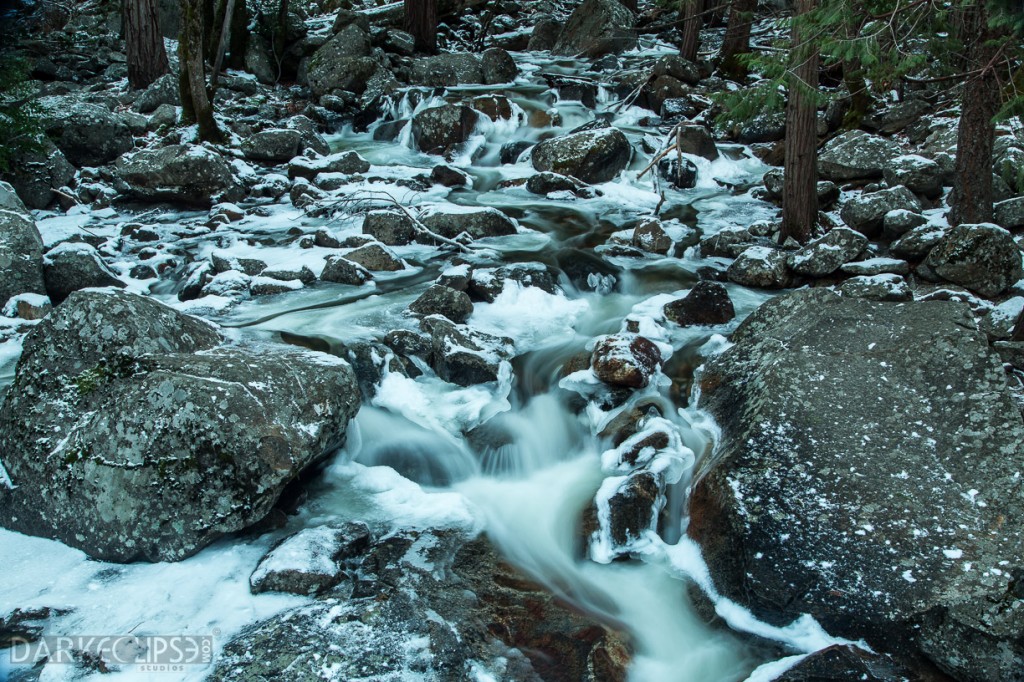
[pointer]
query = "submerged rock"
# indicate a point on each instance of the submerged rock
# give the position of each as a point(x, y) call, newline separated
point(129, 435)
point(591, 155)
point(878, 497)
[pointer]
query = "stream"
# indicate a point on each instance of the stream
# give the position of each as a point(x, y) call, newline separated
point(519, 458)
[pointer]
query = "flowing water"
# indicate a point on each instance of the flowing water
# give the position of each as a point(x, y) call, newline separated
point(519, 458)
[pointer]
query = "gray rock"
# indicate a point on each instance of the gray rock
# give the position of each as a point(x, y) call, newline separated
point(165, 116)
point(486, 284)
point(89, 135)
point(309, 167)
point(877, 266)
point(544, 183)
point(676, 67)
point(498, 66)
point(438, 129)
point(302, 274)
point(21, 256)
point(399, 42)
point(680, 176)
point(916, 244)
point(71, 266)
point(309, 561)
point(898, 116)
point(766, 127)
point(9, 200)
point(1009, 213)
point(855, 155)
point(982, 257)
point(900, 221)
point(393, 228)
point(597, 28)
point(125, 443)
point(698, 141)
point(707, 303)
point(885, 287)
point(163, 91)
point(447, 69)
point(866, 213)
point(650, 236)
point(729, 242)
point(258, 60)
point(762, 267)
point(312, 141)
point(342, 63)
point(36, 174)
point(864, 498)
point(273, 145)
point(627, 360)
point(479, 223)
point(442, 300)
point(463, 356)
point(916, 173)
point(186, 174)
point(827, 253)
point(546, 30)
point(376, 258)
point(590, 156)
point(342, 271)
point(1010, 168)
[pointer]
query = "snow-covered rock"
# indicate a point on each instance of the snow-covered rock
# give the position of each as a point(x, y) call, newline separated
point(72, 266)
point(983, 257)
point(855, 155)
point(762, 267)
point(591, 155)
point(827, 253)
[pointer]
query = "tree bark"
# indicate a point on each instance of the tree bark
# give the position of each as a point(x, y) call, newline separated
point(196, 105)
point(799, 192)
point(421, 22)
point(144, 44)
point(693, 21)
point(239, 40)
point(737, 39)
point(222, 44)
point(971, 199)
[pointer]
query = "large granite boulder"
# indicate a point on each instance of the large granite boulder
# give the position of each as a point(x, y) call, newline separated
point(186, 174)
point(855, 155)
point(439, 129)
point(71, 266)
point(866, 212)
point(130, 435)
point(342, 63)
point(591, 155)
point(36, 174)
point(868, 474)
point(983, 257)
point(21, 256)
point(88, 134)
point(597, 28)
point(827, 253)
point(458, 68)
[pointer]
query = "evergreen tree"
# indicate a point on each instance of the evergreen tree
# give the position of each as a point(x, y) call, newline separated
point(799, 192)
point(692, 12)
point(144, 44)
point(195, 99)
point(421, 22)
point(737, 39)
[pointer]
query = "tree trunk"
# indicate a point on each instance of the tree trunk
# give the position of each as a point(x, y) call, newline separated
point(971, 199)
point(799, 192)
point(222, 44)
point(239, 40)
point(693, 20)
point(281, 34)
point(147, 59)
point(195, 99)
point(737, 39)
point(421, 22)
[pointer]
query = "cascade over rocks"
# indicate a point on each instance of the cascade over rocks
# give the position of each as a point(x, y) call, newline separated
point(881, 509)
point(130, 435)
point(591, 155)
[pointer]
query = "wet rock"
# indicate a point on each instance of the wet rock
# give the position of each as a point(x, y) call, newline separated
point(486, 284)
point(544, 183)
point(762, 267)
point(88, 134)
point(983, 257)
point(680, 176)
point(884, 287)
point(438, 129)
point(186, 174)
point(896, 556)
point(442, 300)
point(375, 257)
point(697, 140)
point(707, 303)
point(729, 242)
point(866, 213)
point(546, 30)
point(498, 66)
point(479, 223)
point(393, 228)
point(125, 443)
point(21, 256)
point(342, 63)
point(72, 266)
point(827, 253)
point(511, 151)
point(632, 508)
point(343, 271)
point(447, 69)
point(656, 92)
point(877, 266)
point(920, 175)
point(463, 356)
point(917, 243)
point(222, 262)
point(574, 89)
point(434, 603)
point(1009, 213)
point(163, 91)
point(591, 156)
point(309, 167)
point(855, 155)
point(597, 28)
point(408, 343)
point(301, 274)
point(448, 176)
point(36, 174)
point(274, 145)
point(650, 236)
point(900, 221)
point(627, 360)
point(310, 561)
point(846, 663)
point(676, 109)
point(676, 67)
